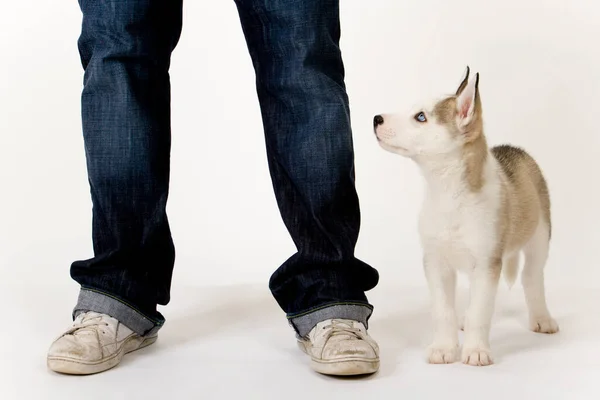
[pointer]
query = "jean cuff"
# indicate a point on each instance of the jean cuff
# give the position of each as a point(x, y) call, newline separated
point(304, 322)
point(105, 303)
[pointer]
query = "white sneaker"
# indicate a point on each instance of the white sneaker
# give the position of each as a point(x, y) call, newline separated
point(96, 342)
point(341, 347)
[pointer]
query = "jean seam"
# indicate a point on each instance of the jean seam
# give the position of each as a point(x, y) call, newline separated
point(156, 322)
point(324, 306)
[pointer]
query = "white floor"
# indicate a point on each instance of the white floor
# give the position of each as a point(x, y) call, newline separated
point(232, 342)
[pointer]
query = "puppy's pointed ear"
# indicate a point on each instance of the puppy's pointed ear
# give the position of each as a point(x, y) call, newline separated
point(464, 81)
point(467, 102)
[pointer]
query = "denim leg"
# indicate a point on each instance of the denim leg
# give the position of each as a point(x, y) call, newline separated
point(125, 48)
point(294, 46)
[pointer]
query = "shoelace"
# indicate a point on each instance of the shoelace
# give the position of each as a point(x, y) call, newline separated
point(338, 327)
point(88, 321)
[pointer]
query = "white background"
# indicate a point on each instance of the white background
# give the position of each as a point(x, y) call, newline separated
point(540, 79)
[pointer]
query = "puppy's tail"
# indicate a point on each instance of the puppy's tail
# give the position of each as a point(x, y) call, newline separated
point(510, 270)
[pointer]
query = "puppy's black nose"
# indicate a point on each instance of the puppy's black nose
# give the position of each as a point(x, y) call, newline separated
point(378, 120)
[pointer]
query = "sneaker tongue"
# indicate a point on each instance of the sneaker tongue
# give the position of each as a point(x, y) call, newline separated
point(87, 323)
point(343, 330)
point(85, 316)
point(342, 324)
point(92, 315)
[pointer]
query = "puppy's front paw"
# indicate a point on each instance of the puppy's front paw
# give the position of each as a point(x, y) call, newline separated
point(438, 354)
point(543, 325)
point(477, 357)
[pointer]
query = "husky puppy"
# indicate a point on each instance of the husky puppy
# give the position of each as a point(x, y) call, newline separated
point(483, 208)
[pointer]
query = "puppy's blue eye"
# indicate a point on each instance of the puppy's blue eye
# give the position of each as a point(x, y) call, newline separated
point(421, 117)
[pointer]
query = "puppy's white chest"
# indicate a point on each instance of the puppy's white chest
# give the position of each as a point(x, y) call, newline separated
point(458, 233)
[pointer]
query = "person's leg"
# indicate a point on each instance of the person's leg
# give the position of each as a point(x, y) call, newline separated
point(294, 46)
point(125, 48)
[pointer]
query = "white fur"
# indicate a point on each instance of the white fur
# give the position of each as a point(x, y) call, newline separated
point(456, 235)
point(458, 231)
point(536, 254)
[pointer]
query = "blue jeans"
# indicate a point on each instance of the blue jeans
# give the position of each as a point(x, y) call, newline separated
point(125, 48)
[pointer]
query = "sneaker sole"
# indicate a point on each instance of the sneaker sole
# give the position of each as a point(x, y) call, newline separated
point(76, 367)
point(345, 367)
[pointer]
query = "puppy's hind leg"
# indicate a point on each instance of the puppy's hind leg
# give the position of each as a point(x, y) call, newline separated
point(536, 254)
